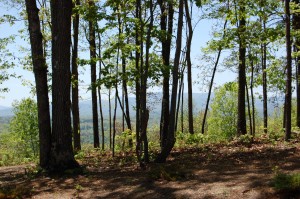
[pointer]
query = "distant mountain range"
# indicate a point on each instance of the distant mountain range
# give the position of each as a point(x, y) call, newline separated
point(154, 105)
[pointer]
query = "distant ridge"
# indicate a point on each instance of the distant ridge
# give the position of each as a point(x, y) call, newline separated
point(153, 102)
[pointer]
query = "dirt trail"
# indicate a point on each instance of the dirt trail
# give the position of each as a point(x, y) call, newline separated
point(208, 172)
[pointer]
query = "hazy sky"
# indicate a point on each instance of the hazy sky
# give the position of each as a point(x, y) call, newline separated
point(18, 90)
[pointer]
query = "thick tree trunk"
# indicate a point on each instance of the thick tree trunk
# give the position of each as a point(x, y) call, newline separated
point(171, 132)
point(62, 156)
point(241, 128)
point(189, 68)
point(40, 74)
point(288, 92)
point(75, 96)
point(92, 42)
point(166, 24)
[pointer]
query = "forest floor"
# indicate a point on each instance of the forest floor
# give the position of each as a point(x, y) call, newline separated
point(211, 171)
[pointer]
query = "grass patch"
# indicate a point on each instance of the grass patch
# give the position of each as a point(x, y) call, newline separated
point(286, 182)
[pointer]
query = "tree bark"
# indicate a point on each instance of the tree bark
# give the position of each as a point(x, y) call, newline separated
point(189, 68)
point(252, 97)
point(137, 78)
point(40, 74)
point(125, 93)
point(171, 132)
point(179, 97)
point(241, 128)
point(166, 24)
point(62, 156)
point(296, 26)
point(288, 92)
point(92, 42)
point(265, 89)
point(75, 96)
point(99, 91)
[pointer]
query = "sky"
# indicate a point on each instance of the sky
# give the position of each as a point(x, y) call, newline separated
point(19, 90)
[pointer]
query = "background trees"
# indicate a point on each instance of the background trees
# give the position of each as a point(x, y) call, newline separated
point(136, 49)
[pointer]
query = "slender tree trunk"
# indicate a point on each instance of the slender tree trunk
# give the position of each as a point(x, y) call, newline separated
point(189, 68)
point(99, 92)
point(252, 97)
point(92, 42)
point(40, 74)
point(171, 133)
point(249, 110)
point(125, 96)
point(75, 96)
point(166, 24)
point(182, 100)
point(212, 82)
point(62, 156)
point(241, 128)
point(296, 26)
point(137, 79)
point(179, 97)
point(138, 58)
point(143, 93)
point(288, 92)
point(125, 93)
point(265, 96)
point(110, 125)
point(114, 122)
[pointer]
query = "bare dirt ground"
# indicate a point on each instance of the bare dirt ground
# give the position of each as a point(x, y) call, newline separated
point(219, 171)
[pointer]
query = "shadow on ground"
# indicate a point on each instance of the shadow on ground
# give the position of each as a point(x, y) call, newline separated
point(206, 172)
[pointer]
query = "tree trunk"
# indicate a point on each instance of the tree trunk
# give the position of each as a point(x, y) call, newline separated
point(99, 91)
point(296, 26)
point(171, 132)
point(249, 110)
point(143, 92)
point(241, 128)
point(75, 97)
point(252, 97)
point(62, 156)
point(109, 110)
point(40, 74)
point(114, 122)
point(137, 79)
point(92, 42)
point(125, 95)
point(265, 96)
point(166, 24)
point(179, 97)
point(288, 92)
point(189, 68)
point(212, 82)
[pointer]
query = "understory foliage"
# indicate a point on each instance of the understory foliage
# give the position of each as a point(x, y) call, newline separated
point(223, 116)
point(21, 143)
point(286, 182)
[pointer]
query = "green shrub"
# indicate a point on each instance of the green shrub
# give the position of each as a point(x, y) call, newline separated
point(222, 119)
point(286, 182)
point(21, 143)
